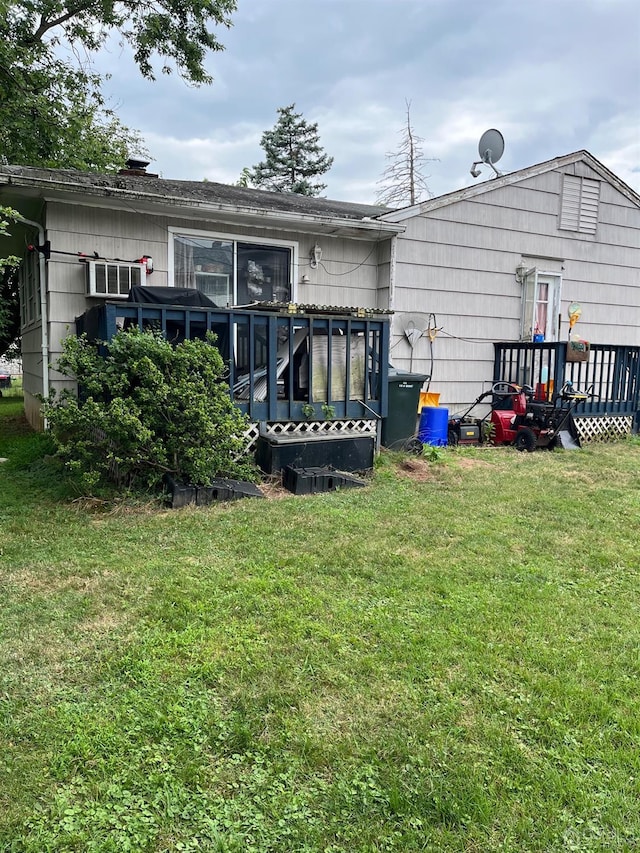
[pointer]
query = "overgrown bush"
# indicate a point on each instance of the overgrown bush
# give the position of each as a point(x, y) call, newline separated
point(146, 408)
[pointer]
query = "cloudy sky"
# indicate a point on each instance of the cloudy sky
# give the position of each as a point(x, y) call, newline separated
point(553, 76)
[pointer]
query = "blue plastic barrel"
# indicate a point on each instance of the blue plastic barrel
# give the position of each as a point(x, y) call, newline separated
point(434, 425)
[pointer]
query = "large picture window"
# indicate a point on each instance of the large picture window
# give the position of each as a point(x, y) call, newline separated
point(231, 271)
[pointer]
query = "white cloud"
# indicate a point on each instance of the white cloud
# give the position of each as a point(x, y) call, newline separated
point(553, 76)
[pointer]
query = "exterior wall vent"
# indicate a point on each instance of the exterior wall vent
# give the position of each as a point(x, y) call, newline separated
point(579, 204)
point(113, 279)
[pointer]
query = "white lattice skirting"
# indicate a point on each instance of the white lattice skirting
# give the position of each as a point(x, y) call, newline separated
point(604, 428)
point(363, 426)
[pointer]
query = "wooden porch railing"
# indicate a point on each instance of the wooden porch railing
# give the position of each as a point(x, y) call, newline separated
point(611, 373)
point(281, 367)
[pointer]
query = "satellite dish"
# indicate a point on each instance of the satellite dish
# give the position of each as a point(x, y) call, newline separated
point(491, 149)
point(412, 334)
point(491, 146)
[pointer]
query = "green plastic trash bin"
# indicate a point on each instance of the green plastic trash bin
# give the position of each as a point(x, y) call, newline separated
point(399, 427)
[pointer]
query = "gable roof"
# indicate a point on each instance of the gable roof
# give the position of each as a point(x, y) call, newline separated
point(513, 178)
point(286, 210)
point(248, 206)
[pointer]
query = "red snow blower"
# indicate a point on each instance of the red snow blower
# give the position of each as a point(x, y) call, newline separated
point(517, 419)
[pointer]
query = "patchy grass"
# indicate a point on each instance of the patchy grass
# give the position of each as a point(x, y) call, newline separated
point(447, 660)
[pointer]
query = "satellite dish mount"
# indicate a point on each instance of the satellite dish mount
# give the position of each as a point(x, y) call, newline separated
point(490, 149)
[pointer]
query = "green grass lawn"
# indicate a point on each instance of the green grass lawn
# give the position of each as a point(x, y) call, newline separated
point(447, 660)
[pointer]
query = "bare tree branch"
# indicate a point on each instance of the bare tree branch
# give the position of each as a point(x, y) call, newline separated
point(403, 182)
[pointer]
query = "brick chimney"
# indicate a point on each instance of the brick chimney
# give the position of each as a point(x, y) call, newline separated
point(137, 168)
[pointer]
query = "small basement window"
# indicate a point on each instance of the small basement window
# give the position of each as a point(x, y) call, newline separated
point(579, 205)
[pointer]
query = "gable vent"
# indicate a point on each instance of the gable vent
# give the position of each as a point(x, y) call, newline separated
point(113, 279)
point(579, 208)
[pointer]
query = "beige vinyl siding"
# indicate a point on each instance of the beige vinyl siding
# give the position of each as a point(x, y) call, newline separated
point(615, 229)
point(32, 360)
point(347, 274)
point(32, 373)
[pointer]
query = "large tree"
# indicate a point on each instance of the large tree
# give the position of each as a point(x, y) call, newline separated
point(52, 111)
point(403, 182)
point(294, 157)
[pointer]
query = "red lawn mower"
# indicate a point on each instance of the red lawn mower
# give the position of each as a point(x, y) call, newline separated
point(519, 420)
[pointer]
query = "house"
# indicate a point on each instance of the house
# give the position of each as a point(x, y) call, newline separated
point(500, 261)
point(504, 260)
point(99, 235)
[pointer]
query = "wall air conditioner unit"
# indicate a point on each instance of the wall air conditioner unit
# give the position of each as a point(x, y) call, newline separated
point(113, 279)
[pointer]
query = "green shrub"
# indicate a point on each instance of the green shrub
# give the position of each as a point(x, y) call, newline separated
point(146, 408)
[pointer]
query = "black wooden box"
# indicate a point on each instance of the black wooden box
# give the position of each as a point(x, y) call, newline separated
point(342, 451)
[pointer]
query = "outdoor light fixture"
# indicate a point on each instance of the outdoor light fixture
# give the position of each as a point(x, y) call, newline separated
point(315, 256)
point(521, 272)
point(147, 260)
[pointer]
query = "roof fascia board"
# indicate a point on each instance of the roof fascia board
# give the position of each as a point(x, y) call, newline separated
point(316, 223)
point(513, 178)
point(611, 178)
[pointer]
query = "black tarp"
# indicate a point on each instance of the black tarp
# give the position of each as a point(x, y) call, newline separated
point(183, 296)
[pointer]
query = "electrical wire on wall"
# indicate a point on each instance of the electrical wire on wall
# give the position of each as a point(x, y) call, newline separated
point(431, 332)
point(413, 335)
point(349, 271)
point(458, 338)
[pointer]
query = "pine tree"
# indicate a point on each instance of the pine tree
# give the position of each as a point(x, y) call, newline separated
point(294, 156)
point(403, 182)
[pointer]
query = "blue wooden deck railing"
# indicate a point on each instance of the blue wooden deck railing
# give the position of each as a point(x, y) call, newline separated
point(611, 373)
point(278, 363)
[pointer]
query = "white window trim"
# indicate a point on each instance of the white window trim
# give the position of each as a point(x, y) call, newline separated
point(29, 285)
point(234, 238)
point(554, 279)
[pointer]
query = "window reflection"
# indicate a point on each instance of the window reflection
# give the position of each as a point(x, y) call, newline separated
point(230, 272)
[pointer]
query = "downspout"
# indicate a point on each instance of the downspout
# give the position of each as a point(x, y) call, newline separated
point(392, 272)
point(44, 319)
point(390, 307)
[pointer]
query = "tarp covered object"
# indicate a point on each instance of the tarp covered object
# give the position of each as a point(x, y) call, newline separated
point(185, 296)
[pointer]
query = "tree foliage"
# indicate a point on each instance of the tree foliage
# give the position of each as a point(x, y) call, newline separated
point(294, 157)
point(403, 182)
point(9, 311)
point(52, 112)
point(146, 408)
point(9, 299)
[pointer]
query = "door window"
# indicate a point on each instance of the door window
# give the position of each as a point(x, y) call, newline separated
point(540, 306)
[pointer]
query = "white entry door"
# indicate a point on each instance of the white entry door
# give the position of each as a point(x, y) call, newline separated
point(541, 305)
